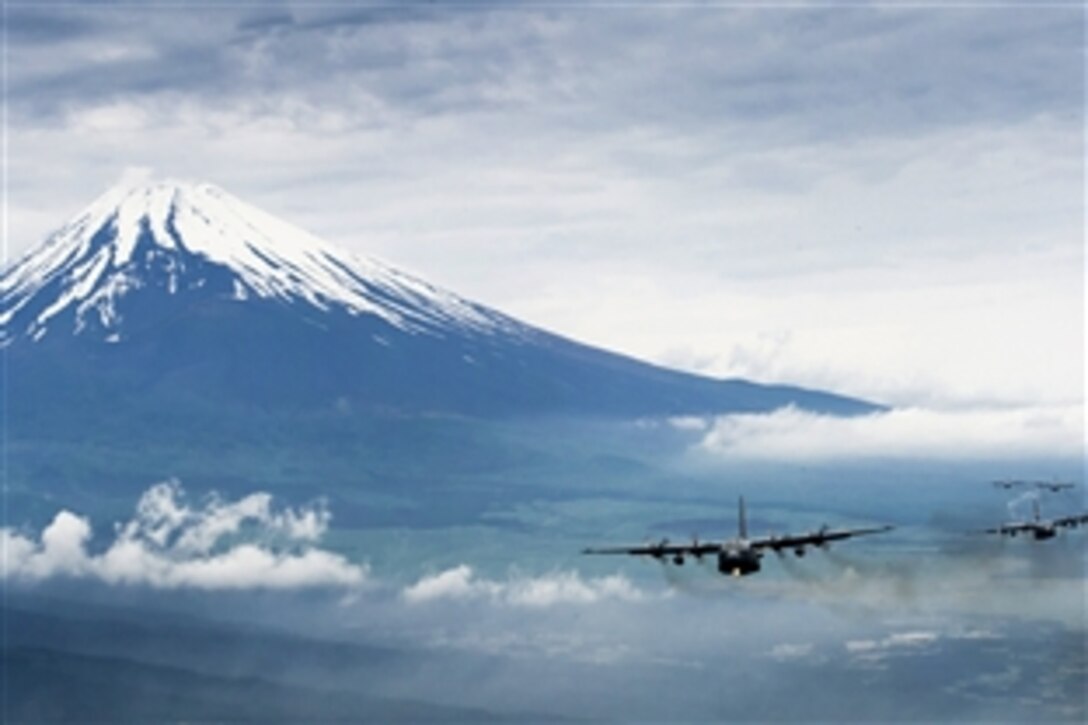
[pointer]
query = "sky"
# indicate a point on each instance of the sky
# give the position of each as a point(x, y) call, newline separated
point(887, 201)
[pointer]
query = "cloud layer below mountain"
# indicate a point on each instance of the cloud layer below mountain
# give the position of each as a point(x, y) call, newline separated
point(972, 433)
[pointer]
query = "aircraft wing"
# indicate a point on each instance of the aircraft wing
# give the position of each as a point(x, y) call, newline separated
point(1071, 520)
point(813, 538)
point(664, 548)
point(1011, 528)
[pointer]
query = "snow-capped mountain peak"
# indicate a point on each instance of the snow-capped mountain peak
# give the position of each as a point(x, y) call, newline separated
point(175, 296)
point(184, 237)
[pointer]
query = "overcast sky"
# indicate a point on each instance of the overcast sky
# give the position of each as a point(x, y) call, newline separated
point(886, 201)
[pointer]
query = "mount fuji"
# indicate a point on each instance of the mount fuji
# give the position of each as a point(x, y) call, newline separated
point(174, 291)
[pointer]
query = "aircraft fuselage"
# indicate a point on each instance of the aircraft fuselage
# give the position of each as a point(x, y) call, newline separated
point(738, 560)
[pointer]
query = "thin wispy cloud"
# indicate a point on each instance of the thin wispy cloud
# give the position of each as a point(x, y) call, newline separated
point(787, 652)
point(897, 644)
point(461, 583)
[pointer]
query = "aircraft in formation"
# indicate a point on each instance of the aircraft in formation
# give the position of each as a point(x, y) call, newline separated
point(1038, 527)
point(740, 555)
point(1052, 486)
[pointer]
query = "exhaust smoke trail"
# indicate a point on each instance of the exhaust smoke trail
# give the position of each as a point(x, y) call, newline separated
point(1016, 505)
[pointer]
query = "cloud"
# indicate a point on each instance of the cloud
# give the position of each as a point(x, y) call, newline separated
point(786, 652)
point(792, 434)
point(461, 583)
point(690, 423)
point(779, 66)
point(169, 544)
point(163, 518)
point(898, 642)
point(906, 639)
point(874, 650)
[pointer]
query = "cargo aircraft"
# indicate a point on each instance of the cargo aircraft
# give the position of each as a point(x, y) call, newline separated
point(1052, 486)
point(741, 555)
point(1038, 527)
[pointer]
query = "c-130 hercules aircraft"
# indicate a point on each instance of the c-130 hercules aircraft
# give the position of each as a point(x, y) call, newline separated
point(741, 555)
point(1039, 528)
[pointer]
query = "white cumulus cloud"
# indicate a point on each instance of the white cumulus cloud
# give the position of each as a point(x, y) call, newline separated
point(169, 543)
point(790, 433)
point(462, 583)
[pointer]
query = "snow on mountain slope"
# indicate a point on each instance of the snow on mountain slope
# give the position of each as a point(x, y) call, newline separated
point(181, 235)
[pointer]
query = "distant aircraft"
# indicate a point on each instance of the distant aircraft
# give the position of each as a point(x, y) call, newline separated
point(1054, 486)
point(1038, 527)
point(741, 555)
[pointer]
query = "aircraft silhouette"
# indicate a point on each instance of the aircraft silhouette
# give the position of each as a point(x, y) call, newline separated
point(1038, 527)
point(1053, 486)
point(740, 555)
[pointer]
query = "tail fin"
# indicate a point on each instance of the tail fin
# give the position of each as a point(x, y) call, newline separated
point(742, 520)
